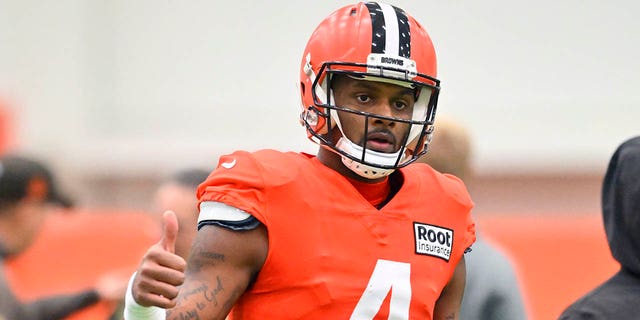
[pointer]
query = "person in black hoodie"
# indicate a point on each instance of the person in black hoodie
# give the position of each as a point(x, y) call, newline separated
point(619, 296)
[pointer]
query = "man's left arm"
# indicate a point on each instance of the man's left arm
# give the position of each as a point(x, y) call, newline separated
point(448, 304)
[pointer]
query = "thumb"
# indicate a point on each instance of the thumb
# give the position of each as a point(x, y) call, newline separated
point(169, 231)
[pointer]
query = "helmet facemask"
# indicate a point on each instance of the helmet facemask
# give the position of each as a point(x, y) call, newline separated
point(360, 159)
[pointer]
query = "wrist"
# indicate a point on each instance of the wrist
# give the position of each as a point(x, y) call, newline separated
point(135, 311)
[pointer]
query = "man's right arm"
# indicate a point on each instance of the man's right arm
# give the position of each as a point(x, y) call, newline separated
point(221, 266)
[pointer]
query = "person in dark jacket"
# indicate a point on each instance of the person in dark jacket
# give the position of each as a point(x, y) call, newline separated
point(619, 296)
point(27, 192)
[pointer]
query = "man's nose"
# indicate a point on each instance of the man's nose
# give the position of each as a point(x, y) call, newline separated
point(383, 109)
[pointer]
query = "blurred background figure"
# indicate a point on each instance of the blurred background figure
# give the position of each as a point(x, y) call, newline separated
point(27, 194)
point(492, 291)
point(618, 297)
point(178, 194)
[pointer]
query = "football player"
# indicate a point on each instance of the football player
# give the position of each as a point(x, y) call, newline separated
point(351, 232)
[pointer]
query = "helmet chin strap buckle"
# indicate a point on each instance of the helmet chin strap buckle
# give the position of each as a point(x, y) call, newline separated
point(364, 170)
point(367, 170)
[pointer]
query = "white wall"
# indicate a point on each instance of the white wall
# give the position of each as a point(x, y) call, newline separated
point(150, 85)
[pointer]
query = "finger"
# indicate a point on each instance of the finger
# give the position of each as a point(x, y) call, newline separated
point(161, 301)
point(166, 275)
point(158, 256)
point(169, 231)
point(151, 288)
point(148, 291)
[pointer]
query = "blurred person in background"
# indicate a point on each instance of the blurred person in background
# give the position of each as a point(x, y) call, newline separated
point(177, 193)
point(619, 296)
point(27, 194)
point(491, 291)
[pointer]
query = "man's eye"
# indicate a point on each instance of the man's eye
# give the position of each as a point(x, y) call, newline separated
point(400, 105)
point(363, 98)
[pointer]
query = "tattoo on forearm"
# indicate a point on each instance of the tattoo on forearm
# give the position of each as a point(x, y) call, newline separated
point(450, 317)
point(206, 292)
point(201, 252)
point(200, 257)
point(203, 296)
point(193, 314)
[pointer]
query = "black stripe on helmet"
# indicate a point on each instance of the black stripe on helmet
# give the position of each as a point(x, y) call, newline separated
point(378, 32)
point(404, 49)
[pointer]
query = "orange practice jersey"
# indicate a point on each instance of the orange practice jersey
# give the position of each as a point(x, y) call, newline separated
point(332, 255)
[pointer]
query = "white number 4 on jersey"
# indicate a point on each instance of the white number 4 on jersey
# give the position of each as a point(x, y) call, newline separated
point(386, 275)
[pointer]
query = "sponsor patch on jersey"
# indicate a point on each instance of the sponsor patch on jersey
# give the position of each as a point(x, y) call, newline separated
point(433, 240)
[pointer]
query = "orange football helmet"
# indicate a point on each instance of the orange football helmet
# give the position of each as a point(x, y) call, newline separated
point(375, 42)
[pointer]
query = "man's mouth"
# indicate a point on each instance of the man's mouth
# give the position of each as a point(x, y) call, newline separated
point(381, 142)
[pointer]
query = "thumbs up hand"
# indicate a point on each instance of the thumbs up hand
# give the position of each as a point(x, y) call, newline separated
point(169, 231)
point(161, 271)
